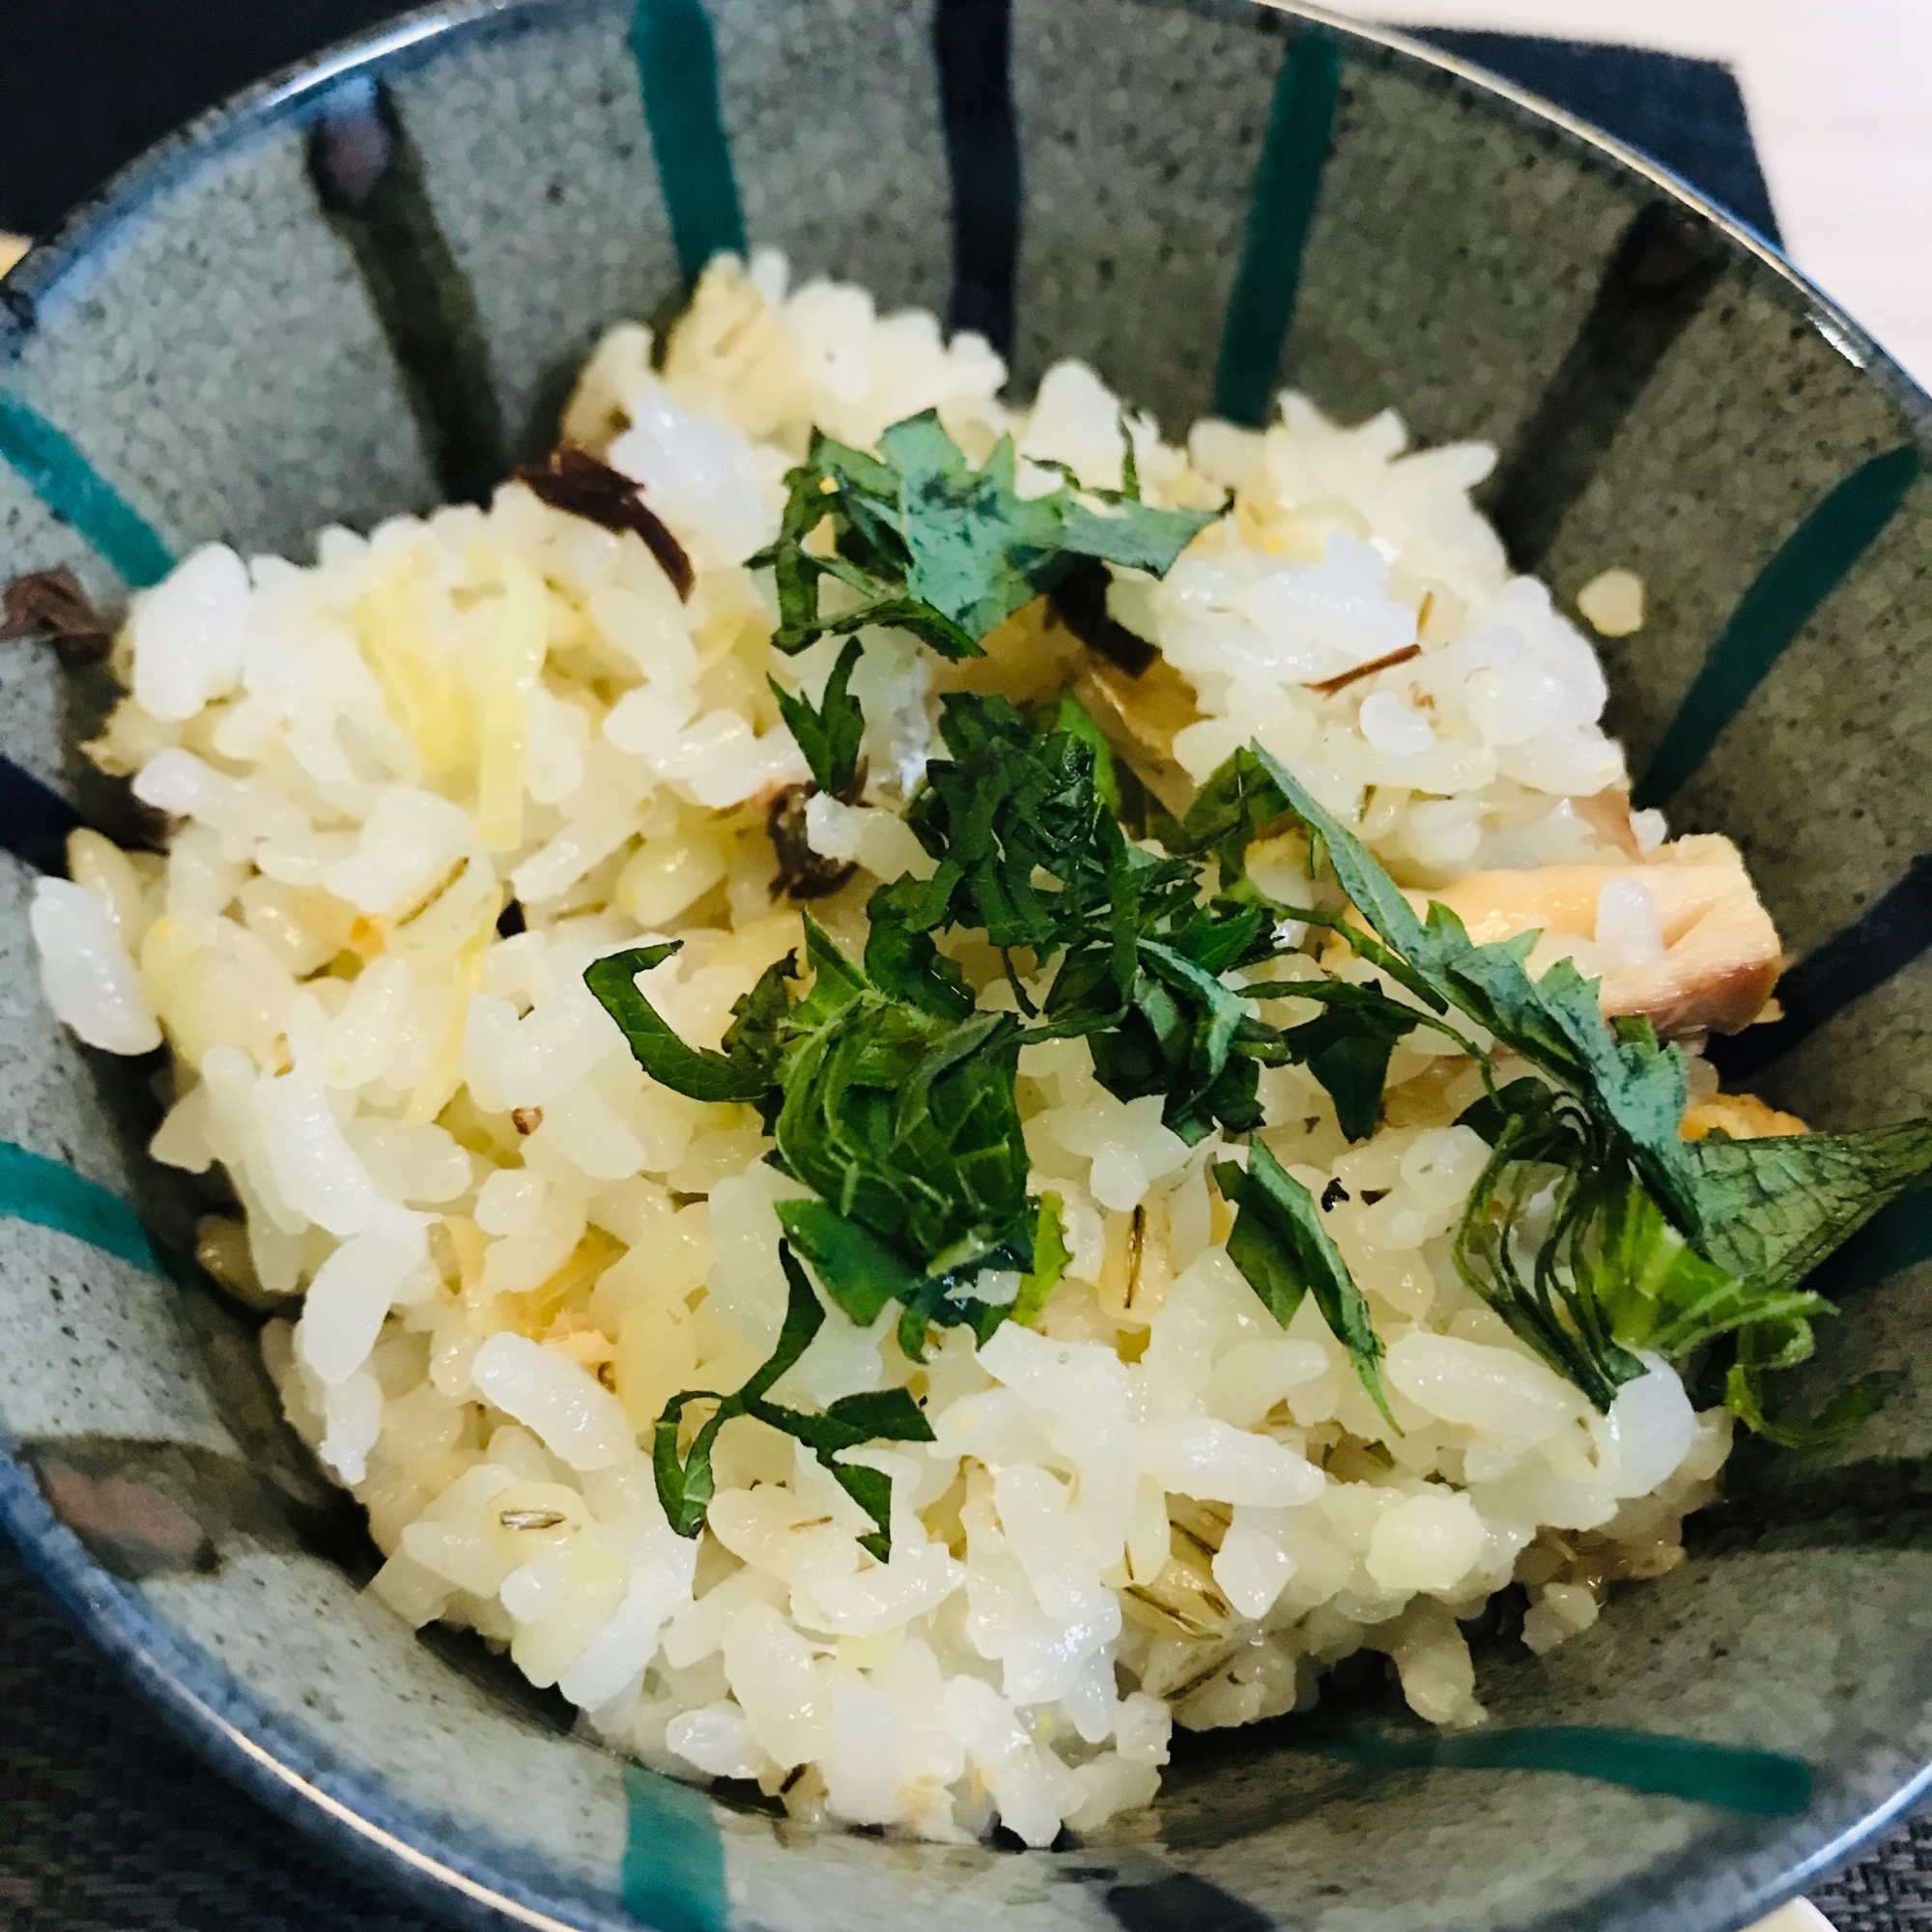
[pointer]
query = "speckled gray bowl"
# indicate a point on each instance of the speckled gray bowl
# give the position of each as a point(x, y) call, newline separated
point(362, 288)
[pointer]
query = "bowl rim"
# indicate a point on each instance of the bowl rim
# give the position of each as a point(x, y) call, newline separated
point(137, 1638)
point(299, 88)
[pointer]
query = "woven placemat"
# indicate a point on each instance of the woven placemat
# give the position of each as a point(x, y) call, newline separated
point(107, 1822)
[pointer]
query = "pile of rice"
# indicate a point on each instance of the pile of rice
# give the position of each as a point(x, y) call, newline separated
point(492, 1248)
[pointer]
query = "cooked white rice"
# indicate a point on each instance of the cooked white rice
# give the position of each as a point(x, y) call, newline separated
point(493, 1248)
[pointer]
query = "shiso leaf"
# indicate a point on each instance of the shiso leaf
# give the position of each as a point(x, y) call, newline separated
point(901, 958)
point(1007, 804)
point(1279, 1244)
point(685, 1487)
point(1067, 715)
point(1347, 1046)
point(893, 1099)
point(940, 547)
point(860, 1271)
point(901, 1120)
point(829, 734)
point(1532, 1240)
point(980, 549)
point(1773, 1209)
point(743, 1074)
point(1765, 1346)
point(1239, 801)
point(1050, 1256)
point(1662, 1294)
point(1655, 1242)
point(1556, 1023)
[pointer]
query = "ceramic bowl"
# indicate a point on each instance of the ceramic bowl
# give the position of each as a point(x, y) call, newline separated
point(363, 287)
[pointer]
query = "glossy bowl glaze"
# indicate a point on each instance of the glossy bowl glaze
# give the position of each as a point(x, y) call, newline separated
point(364, 287)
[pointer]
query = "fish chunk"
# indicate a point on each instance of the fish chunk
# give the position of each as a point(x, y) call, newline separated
point(1138, 716)
point(1717, 956)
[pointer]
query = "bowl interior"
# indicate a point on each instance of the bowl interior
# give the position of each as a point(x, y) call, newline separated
point(366, 289)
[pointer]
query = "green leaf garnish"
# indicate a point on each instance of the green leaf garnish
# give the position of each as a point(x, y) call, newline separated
point(830, 735)
point(862, 1272)
point(1067, 715)
point(1767, 1347)
point(1279, 1243)
point(1651, 1241)
point(901, 1119)
point(1773, 1209)
point(1050, 1256)
point(1347, 1046)
point(901, 958)
point(743, 1072)
point(858, 495)
point(1596, 1230)
point(1237, 803)
point(685, 1487)
point(934, 546)
point(978, 550)
point(1005, 804)
point(1551, 1291)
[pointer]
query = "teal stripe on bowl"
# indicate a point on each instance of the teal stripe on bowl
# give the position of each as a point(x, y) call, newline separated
point(1281, 208)
point(1817, 556)
point(677, 69)
point(48, 463)
point(673, 1877)
point(1766, 1784)
point(51, 1195)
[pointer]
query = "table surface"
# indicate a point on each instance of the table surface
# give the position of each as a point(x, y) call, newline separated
point(106, 1823)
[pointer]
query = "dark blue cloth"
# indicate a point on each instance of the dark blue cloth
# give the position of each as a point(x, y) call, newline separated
point(1687, 114)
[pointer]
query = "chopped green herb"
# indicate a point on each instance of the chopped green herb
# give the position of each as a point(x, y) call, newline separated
point(901, 1120)
point(1279, 1243)
point(1050, 1256)
point(1347, 1046)
point(1552, 1181)
point(862, 1272)
point(747, 1067)
point(901, 958)
point(1237, 803)
point(828, 735)
point(907, 1125)
point(1768, 1345)
point(1556, 1023)
point(1646, 1240)
point(1771, 1210)
point(1008, 803)
point(931, 543)
point(889, 1415)
point(1595, 1230)
point(1067, 715)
